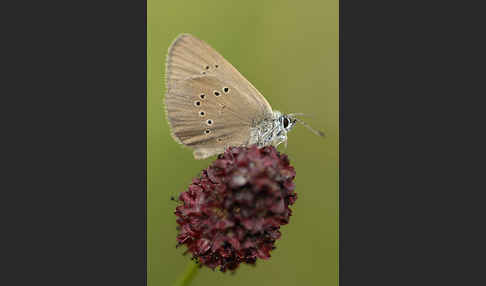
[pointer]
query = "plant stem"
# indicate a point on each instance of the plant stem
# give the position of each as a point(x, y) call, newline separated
point(186, 278)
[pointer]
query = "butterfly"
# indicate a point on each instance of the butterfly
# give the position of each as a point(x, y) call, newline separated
point(211, 106)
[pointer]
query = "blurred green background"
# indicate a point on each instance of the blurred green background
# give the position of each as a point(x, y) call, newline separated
point(289, 50)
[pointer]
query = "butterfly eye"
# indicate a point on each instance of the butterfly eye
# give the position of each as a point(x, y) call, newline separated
point(209, 122)
point(207, 67)
point(197, 103)
point(225, 89)
point(216, 66)
point(207, 131)
point(202, 95)
point(286, 122)
point(217, 93)
point(201, 113)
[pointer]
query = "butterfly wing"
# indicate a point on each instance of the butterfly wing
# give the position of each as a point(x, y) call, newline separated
point(208, 115)
point(194, 69)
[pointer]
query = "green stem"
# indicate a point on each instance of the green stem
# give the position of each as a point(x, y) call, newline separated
point(186, 278)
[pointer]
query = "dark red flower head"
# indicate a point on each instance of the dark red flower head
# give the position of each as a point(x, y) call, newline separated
point(233, 212)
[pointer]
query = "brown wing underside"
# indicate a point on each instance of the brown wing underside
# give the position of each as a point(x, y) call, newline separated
point(209, 115)
point(194, 68)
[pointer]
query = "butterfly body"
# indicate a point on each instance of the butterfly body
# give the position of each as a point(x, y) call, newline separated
point(211, 106)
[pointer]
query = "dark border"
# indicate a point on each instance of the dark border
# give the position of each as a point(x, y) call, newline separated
point(409, 128)
point(76, 171)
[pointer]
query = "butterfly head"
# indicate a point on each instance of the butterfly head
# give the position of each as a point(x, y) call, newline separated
point(274, 131)
point(283, 124)
point(286, 122)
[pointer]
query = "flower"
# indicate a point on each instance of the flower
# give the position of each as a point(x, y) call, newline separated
point(233, 212)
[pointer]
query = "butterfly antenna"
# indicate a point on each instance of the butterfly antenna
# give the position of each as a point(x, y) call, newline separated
point(317, 132)
point(301, 114)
